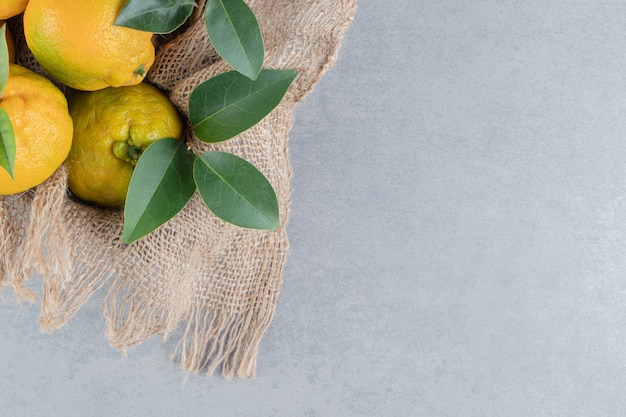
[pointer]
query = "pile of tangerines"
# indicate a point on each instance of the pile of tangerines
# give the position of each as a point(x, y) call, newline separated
point(101, 127)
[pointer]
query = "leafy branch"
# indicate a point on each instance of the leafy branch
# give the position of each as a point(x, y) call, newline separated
point(167, 174)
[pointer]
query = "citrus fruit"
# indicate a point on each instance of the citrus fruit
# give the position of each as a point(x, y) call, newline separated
point(10, 8)
point(41, 125)
point(112, 127)
point(76, 42)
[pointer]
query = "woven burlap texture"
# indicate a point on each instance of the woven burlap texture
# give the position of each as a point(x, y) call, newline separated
point(215, 283)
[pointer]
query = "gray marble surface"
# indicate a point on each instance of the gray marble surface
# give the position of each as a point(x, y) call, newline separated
point(457, 237)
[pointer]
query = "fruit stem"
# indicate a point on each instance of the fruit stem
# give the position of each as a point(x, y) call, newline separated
point(140, 71)
point(133, 152)
point(126, 152)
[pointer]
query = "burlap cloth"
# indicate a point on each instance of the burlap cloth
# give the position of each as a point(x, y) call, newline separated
point(216, 283)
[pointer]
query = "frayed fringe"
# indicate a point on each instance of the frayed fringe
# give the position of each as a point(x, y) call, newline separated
point(14, 218)
point(132, 318)
point(46, 249)
point(213, 338)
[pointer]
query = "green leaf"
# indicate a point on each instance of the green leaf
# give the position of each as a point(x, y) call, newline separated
point(236, 191)
point(156, 16)
point(230, 103)
point(161, 185)
point(7, 136)
point(234, 32)
point(4, 57)
point(7, 143)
